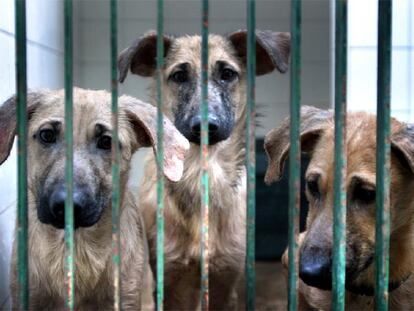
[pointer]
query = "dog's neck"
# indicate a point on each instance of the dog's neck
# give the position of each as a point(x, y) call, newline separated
point(226, 172)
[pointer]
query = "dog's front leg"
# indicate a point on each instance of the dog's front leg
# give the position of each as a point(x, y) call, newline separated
point(222, 287)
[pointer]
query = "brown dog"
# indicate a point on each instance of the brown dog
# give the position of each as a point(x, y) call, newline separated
point(92, 195)
point(317, 138)
point(226, 100)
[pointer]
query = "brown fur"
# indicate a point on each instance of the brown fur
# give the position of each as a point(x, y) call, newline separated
point(226, 173)
point(93, 260)
point(317, 136)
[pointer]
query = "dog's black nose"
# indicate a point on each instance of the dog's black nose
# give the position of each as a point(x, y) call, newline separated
point(213, 125)
point(315, 270)
point(82, 205)
point(214, 129)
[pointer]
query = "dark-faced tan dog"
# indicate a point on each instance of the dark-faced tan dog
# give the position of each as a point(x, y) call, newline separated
point(92, 195)
point(317, 138)
point(227, 96)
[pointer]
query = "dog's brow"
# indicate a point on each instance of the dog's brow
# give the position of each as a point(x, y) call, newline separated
point(363, 179)
point(101, 128)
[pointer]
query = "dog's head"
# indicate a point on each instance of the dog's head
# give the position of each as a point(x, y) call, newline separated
point(317, 138)
point(92, 144)
point(226, 76)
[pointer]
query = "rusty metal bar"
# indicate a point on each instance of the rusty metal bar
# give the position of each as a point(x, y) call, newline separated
point(69, 214)
point(382, 232)
point(160, 158)
point(251, 156)
point(116, 158)
point(339, 228)
point(204, 158)
point(21, 94)
point(294, 153)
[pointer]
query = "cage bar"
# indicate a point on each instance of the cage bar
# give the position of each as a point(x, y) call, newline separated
point(21, 99)
point(382, 228)
point(160, 158)
point(116, 157)
point(251, 156)
point(294, 153)
point(69, 221)
point(204, 157)
point(339, 228)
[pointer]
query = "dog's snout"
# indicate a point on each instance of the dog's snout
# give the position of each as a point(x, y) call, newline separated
point(84, 207)
point(315, 268)
point(218, 129)
point(213, 125)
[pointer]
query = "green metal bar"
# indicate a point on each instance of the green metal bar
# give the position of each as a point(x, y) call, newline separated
point(251, 156)
point(339, 229)
point(160, 158)
point(204, 157)
point(69, 228)
point(116, 158)
point(22, 220)
point(382, 228)
point(294, 154)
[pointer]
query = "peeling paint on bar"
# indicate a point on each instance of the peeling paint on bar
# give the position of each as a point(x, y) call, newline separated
point(382, 232)
point(251, 156)
point(69, 228)
point(22, 218)
point(294, 153)
point(204, 157)
point(339, 228)
point(116, 157)
point(160, 158)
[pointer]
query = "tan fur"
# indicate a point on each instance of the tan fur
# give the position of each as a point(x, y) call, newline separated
point(93, 260)
point(361, 153)
point(182, 200)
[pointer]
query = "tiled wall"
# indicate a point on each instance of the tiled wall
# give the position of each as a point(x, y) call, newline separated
point(45, 69)
point(362, 61)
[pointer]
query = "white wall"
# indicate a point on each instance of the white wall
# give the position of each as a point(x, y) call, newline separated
point(362, 57)
point(45, 69)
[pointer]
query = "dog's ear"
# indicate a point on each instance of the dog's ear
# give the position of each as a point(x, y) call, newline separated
point(277, 142)
point(272, 49)
point(8, 121)
point(402, 144)
point(143, 116)
point(141, 56)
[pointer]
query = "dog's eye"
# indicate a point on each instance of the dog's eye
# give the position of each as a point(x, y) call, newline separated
point(364, 195)
point(104, 142)
point(179, 76)
point(47, 136)
point(228, 74)
point(313, 188)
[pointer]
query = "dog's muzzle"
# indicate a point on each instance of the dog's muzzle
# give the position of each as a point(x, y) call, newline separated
point(51, 209)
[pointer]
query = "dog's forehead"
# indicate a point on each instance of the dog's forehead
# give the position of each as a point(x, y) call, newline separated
point(88, 107)
point(360, 144)
point(187, 49)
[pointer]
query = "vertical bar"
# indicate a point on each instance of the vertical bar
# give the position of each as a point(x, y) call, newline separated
point(204, 157)
point(116, 241)
point(160, 158)
point(69, 230)
point(294, 154)
point(382, 228)
point(251, 155)
point(22, 220)
point(339, 228)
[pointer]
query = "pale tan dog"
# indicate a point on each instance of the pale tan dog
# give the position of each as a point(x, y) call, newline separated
point(317, 138)
point(92, 195)
point(227, 97)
